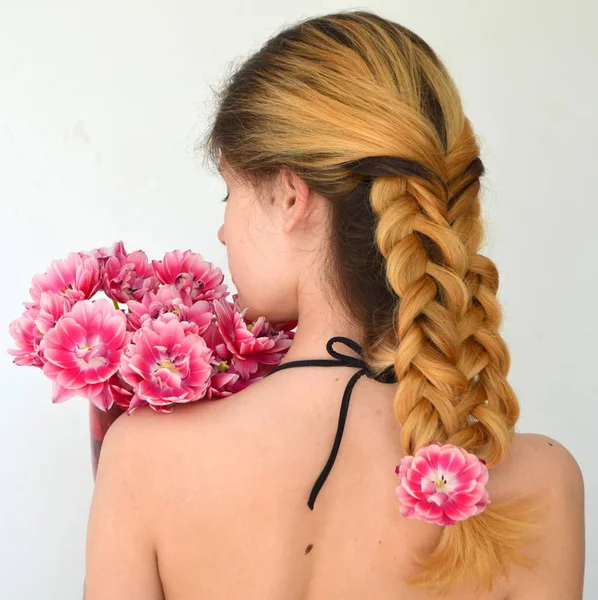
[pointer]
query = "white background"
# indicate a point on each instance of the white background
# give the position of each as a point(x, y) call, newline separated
point(100, 105)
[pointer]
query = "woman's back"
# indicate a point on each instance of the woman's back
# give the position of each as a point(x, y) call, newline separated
point(221, 487)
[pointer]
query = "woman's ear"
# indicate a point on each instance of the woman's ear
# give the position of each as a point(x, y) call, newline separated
point(296, 199)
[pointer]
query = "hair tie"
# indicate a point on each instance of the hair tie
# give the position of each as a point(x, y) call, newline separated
point(442, 484)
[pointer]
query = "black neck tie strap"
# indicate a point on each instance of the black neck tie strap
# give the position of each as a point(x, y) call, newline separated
point(340, 360)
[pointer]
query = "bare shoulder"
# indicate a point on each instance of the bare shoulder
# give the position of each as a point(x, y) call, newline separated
point(544, 470)
point(535, 462)
point(146, 425)
point(164, 453)
point(146, 438)
point(545, 452)
point(162, 441)
point(550, 452)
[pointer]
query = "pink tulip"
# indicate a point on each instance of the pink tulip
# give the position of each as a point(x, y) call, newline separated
point(222, 384)
point(269, 327)
point(52, 307)
point(226, 380)
point(201, 314)
point(215, 341)
point(191, 275)
point(102, 254)
point(76, 278)
point(83, 351)
point(169, 300)
point(166, 300)
point(122, 392)
point(249, 344)
point(29, 330)
point(27, 337)
point(442, 484)
point(223, 378)
point(166, 362)
point(126, 276)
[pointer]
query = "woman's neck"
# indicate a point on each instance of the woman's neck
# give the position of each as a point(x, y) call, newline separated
point(316, 327)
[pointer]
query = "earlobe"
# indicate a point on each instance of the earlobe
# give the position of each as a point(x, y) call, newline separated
point(221, 235)
point(291, 218)
point(295, 212)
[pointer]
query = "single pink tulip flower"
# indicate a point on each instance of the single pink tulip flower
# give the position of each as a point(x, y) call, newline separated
point(442, 484)
point(169, 300)
point(83, 351)
point(77, 278)
point(247, 343)
point(27, 338)
point(127, 276)
point(191, 274)
point(166, 363)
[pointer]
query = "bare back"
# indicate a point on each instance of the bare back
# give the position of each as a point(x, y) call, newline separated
point(230, 480)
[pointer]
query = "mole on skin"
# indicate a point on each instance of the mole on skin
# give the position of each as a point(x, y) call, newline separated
point(308, 549)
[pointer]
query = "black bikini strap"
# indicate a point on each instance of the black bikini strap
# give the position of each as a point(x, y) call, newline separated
point(341, 360)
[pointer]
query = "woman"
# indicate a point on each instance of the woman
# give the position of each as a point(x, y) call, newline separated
point(353, 181)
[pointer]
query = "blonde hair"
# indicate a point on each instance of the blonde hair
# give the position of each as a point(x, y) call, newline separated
point(329, 98)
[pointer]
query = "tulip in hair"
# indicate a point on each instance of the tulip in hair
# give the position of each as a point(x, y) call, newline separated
point(442, 484)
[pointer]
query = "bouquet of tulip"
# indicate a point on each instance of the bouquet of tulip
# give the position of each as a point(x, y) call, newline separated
point(164, 334)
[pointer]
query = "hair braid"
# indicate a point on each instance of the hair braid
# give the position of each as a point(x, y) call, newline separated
point(450, 359)
point(426, 265)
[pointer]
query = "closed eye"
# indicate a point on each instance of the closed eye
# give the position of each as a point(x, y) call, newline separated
point(226, 198)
